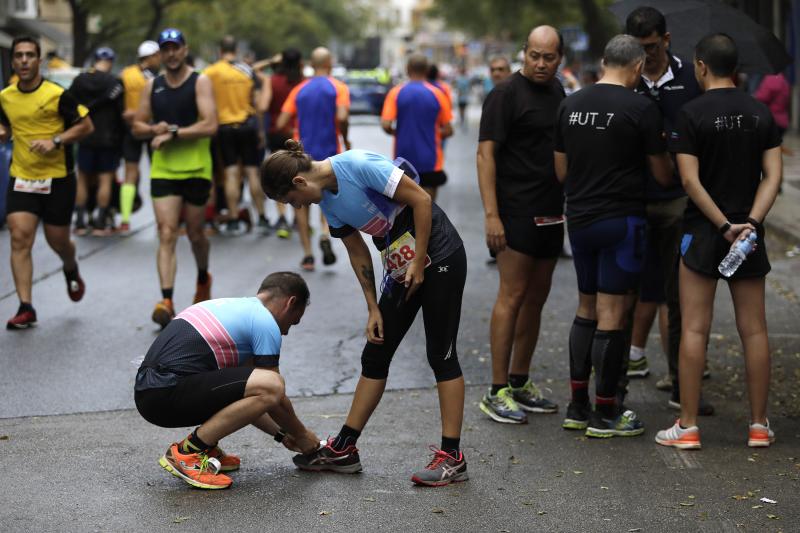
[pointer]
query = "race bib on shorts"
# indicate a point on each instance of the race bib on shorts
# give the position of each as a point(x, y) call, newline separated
point(400, 254)
point(33, 186)
point(548, 221)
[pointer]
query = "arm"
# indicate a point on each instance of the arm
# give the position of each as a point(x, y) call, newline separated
point(415, 197)
point(446, 131)
point(265, 93)
point(207, 124)
point(387, 126)
point(689, 167)
point(772, 164)
point(361, 261)
point(662, 168)
point(283, 121)
point(487, 183)
point(343, 118)
point(75, 133)
point(561, 164)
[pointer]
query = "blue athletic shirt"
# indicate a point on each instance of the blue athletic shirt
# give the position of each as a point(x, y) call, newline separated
point(314, 102)
point(367, 183)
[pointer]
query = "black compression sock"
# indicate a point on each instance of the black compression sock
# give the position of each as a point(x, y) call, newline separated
point(581, 336)
point(496, 388)
point(167, 293)
point(194, 444)
point(202, 276)
point(347, 436)
point(451, 445)
point(607, 354)
point(517, 381)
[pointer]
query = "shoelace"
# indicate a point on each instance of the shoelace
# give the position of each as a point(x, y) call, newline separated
point(209, 464)
point(508, 401)
point(439, 457)
point(73, 286)
point(531, 388)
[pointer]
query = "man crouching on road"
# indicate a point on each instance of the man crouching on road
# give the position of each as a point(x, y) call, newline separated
point(216, 365)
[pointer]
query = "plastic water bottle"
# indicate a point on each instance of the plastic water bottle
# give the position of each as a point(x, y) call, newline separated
point(738, 253)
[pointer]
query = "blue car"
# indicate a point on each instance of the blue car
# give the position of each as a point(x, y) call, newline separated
point(366, 95)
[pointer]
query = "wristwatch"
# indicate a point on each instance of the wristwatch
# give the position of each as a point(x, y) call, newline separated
point(57, 141)
point(173, 130)
point(279, 435)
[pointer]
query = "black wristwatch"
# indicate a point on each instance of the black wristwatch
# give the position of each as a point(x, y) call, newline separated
point(279, 435)
point(173, 130)
point(723, 229)
point(753, 221)
point(57, 141)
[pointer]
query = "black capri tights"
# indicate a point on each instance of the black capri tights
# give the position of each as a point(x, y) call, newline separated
point(440, 300)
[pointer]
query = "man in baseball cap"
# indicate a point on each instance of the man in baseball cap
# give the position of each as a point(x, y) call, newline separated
point(134, 78)
point(171, 35)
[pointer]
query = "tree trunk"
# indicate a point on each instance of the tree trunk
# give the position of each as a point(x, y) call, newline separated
point(158, 13)
point(80, 33)
point(595, 23)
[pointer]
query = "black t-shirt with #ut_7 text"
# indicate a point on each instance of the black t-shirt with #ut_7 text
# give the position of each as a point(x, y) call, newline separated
point(519, 115)
point(607, 131)
point(728, 131)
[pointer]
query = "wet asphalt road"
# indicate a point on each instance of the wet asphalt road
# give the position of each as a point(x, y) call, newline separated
point(86, 470)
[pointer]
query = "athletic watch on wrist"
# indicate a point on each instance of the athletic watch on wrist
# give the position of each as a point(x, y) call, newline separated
point(723, 229)
point(279, 435)
point(172, 129)
point(57, 141)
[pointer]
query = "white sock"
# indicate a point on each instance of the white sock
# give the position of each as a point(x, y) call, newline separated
point(636, 353)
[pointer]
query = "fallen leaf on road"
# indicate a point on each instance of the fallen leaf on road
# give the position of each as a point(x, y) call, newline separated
point(437, 510)
point(767, 500)
point(691, 497)
point(540, 513)
point(740, 497)
point(527, 503)
point(634, 529)
point(773, 517)
point(686, 504)
point(3, 437)
point(751, 459)
point(543, 490)
point(603, 488)
point(180, 519)
point(577, 472)
point(325, 513)
point(757, 507)
point(369, 499)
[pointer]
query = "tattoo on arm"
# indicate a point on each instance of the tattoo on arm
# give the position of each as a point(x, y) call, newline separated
point(367, 279)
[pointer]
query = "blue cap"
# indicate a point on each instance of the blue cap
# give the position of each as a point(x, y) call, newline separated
point(171, 35)
point(104, 52)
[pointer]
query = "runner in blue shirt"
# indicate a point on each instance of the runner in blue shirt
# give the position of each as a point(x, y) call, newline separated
point(216, 365)
point(425, 265)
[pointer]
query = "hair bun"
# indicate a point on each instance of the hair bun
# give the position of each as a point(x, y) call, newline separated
point(294, 146)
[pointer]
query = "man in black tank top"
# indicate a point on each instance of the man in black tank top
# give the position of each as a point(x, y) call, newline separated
point(177, 112)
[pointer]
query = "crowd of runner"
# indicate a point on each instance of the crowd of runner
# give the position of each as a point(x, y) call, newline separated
point(654, 171)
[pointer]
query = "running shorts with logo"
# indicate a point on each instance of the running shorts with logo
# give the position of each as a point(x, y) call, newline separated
point(54, 208)
point(609, 254)
point(542, 240)
point(703, 248)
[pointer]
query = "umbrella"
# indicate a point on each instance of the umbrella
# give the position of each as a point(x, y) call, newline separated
point(688, 21)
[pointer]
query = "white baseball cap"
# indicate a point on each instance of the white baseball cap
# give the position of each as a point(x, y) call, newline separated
point(148, 48)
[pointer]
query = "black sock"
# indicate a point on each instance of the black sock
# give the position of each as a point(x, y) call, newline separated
point(263, 218)
point(496, 388)
point(167, 293)
point(194, 444)
point(451, 445)
point(581, 336)
point(25, 306)
point(71, 275)
point(202, 276)
point(517, 380)
point(347, 437)
point(607, 354)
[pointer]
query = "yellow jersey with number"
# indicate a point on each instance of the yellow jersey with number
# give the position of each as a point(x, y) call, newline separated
point(233, 84)
point(39, 114)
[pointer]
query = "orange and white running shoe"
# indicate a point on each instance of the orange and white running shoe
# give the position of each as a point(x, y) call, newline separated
point(761, 436)
point(678, 437)
point(197, 469)
point(163, 313)
point(203, 291)
point(228, 462)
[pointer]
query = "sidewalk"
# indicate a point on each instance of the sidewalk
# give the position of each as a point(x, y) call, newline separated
point(99, 472)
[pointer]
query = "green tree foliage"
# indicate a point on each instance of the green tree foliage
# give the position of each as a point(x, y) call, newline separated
point(513, 19)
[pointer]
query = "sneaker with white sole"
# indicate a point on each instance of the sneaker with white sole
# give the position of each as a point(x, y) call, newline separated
point(638, 368)
point(529, 398)
point(760, 436)
point(501, 407)
point(678, 437)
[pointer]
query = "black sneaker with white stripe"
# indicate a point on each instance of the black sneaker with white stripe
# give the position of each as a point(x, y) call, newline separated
point(345, 461)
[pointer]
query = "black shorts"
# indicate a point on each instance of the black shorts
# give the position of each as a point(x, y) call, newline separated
point(195, 191)
point(54, 208)
point(609, 254)
point(525, 237)
point(132, 147)
point(436, 178)
point(277, 141)
point(703, 248)
point(194, 399)
point(238, 143)
point(97, 160)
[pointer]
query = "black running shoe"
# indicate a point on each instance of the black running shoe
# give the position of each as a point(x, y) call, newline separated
point(577, 416)
point(328, 257)
point(326, 458)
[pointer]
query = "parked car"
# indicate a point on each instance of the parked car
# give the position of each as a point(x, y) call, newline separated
point(366, 95)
